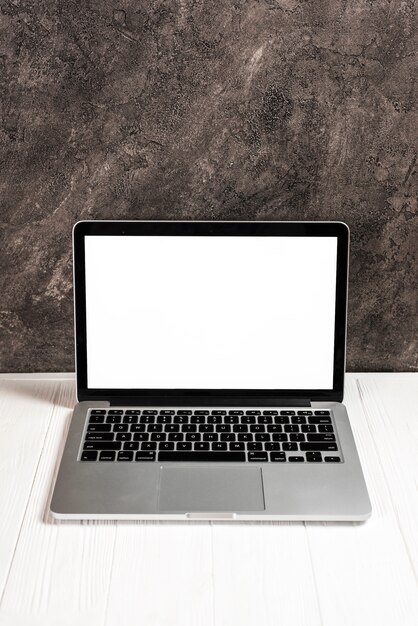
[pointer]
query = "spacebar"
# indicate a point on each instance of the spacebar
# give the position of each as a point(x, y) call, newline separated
point(204, 457)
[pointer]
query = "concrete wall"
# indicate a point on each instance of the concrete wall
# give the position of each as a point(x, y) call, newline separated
point(200, 109)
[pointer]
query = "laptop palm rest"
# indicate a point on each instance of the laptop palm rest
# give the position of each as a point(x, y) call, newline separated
point(208, 488)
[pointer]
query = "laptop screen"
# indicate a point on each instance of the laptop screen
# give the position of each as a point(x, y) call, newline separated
point(205, 312)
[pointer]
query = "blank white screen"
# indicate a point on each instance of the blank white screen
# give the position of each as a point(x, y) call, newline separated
point(210, 312)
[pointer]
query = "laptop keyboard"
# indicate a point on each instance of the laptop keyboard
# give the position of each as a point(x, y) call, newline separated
point(210, 435)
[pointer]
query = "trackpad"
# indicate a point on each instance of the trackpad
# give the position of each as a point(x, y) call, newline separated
point(208, 488)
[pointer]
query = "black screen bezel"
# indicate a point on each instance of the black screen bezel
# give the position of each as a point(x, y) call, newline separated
point(212, 228)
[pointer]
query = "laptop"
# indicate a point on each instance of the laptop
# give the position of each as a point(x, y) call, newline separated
point(210, 364)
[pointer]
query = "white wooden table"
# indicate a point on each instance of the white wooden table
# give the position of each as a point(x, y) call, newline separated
point(203, 573)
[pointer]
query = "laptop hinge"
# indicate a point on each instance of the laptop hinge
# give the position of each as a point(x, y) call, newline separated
point(208, 401)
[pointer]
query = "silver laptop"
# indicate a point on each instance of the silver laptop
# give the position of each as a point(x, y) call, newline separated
point(210, 374)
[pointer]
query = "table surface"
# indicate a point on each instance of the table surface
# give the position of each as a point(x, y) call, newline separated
point(208, 573)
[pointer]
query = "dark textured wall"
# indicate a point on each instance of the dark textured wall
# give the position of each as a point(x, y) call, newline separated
point(208, 109)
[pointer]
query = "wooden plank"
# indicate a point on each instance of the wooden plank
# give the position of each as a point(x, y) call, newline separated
point(263, 575)
point(363, 572)
point(26, 409)
point(391, 407)
point(60, 573)
point(162, 574)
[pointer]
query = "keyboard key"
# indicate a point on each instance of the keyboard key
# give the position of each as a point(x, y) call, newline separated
point(298, 419)
point(279, 437)
point(185, 445)
point(227, 437)
point(271, 446)
point(132, 412)
point(130, 419)
point(314, 457)
point(257, 428)
point(328, 428)
point(102, 445)
point(210, 437)
point(297, 437)
point(240, 428)
point(203, 457)
point(193, 437)
point(236, 412)
point(183, 412)
point(201, 412)
point(206, 428)
point(188, 428)
point(332, 459)
point(245, 437)
point(175, 437)
point(248, 419)
point(308, 429)
point(293, 428)
point(296, 459)
point(172, 428)
point(264, 419)
point(158, 436)
point(107, 455)
point(100, 437)
point(143, 455)
point(274, 428)
point(123, 437)
point(252, 413)
point(260, 457)
point(231, 419)
point(270, 412)
point(262, 437)
point(88, 456)
point(166, 445)
point(321, 412)
point(201, 419)
point(214, 419)
point(217, 446)
point(149, 412)
point(147, 419)
point(97, 412)
point(290, 447)
point(167, 412)
point(236, 445)
point(131, 445)
point(305, 412)
point(180, 419)
point(138, 428)
point(218, 412)
point(115, 412)
point(96, 419)
point(148, 445)
point(321, 437)
point(113, 419)
point(287, 412)
point(254, 446)
point(164, 419)
point(277, 457)
point(281, 419)
point(318, 447)
point(125, 456)
point(120, 428)
point(141, 437)
point(155, 428)
point(223, 428)
point(319, 420)
point(199, 445)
